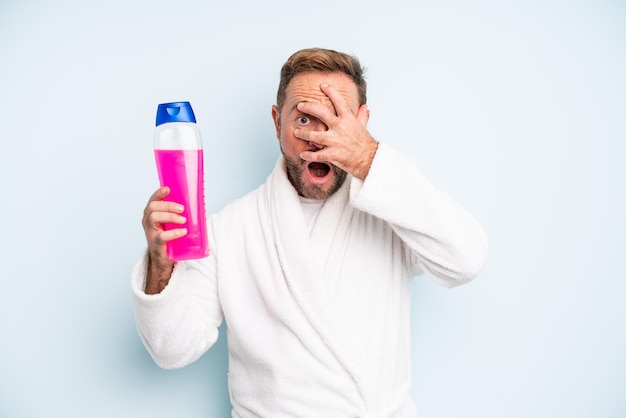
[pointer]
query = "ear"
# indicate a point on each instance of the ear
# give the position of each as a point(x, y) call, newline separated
point(363, 115)
point(276, 118)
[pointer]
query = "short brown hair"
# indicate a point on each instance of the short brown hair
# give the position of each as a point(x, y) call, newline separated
point(324, 60)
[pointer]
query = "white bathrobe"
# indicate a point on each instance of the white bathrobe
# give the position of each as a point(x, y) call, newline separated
point(317, 324)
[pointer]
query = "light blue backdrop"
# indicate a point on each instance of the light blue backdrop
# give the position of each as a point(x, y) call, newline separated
point(515, 108)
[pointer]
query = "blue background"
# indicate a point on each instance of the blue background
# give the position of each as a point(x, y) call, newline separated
point(517, 109)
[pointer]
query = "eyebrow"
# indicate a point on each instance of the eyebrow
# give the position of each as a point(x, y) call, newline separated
point(294, 107)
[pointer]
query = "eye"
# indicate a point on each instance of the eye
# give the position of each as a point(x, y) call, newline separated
point(303, 120)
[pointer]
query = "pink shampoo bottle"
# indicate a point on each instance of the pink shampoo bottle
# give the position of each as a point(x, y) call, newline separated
point(180, 164)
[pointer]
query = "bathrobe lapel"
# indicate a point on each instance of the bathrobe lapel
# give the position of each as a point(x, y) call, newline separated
point(306, 262)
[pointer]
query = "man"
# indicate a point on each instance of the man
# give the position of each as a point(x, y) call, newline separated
point(312, 271)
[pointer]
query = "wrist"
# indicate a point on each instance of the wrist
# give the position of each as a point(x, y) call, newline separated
point(367, 157)
point(158, 275)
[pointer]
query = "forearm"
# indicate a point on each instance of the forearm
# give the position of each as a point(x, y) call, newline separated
point(180, 323)
point(442, 237)
point(157, 276)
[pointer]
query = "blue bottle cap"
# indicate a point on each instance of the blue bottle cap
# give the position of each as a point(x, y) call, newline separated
point(175, 112)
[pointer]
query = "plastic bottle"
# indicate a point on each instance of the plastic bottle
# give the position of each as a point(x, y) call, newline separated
point(180, 164)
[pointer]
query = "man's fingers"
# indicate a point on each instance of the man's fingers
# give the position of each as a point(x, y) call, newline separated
point(164, 206)
point(321, 112)
point(157, 198)
point(342, 108)
point(310, 156)
point(337, 109)
point(155, 219)
point(158, 211)
point(170, 235)
point(160, 193)
point(318, 138)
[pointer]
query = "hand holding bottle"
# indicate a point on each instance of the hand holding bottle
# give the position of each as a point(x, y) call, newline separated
point(155, 215)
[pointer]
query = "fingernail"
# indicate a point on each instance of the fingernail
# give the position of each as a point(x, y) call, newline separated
point(180, 208)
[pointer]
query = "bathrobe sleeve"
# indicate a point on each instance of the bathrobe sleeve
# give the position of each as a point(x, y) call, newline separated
point(181, 323)
point(441, 238)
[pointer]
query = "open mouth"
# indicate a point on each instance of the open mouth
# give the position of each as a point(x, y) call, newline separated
point(318, 172)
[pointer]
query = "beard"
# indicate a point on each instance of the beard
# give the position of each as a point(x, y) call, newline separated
point(296, 174)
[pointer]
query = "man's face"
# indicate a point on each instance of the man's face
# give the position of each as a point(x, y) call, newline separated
point(313, 180)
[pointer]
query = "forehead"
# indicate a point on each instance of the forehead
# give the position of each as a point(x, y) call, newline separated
point(305, 87)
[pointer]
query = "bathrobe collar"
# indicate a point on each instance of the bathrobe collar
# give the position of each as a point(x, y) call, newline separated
point(307, 260)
